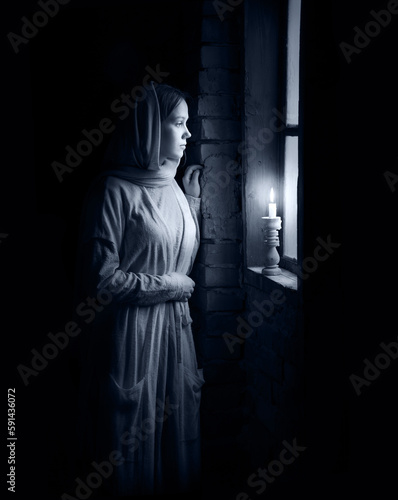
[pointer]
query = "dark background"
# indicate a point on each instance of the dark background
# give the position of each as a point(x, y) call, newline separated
point(65, 79)
point(349, 308)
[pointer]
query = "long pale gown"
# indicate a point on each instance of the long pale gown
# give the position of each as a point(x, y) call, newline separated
point(141, 384)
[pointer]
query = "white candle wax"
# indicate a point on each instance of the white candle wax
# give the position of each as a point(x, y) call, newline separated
point(272, 210)
point(272, 205)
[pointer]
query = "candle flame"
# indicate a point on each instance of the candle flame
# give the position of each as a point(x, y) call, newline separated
point(272, 195)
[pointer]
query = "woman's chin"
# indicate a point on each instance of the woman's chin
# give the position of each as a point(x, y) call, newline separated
point(174, 159)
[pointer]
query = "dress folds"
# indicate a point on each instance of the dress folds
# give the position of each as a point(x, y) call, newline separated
point(140, 381)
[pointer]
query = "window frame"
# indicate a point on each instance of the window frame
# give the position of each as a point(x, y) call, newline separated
point(266, 168)
point(289, 130)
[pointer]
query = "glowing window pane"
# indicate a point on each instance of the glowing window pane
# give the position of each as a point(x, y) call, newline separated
point(290, 198)
point(293, 59)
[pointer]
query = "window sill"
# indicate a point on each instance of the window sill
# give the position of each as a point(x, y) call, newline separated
point(286, 280)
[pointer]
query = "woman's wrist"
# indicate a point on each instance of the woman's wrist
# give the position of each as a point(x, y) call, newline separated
point(193, 200)
point(176, 287)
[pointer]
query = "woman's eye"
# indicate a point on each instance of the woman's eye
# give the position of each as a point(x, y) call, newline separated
point(179, 124)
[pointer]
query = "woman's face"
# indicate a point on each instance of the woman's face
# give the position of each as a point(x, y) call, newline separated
point(174, 134)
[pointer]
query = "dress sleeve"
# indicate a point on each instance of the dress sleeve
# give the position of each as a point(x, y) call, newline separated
point(194, 206)
point(101, 237)
point(139, 289)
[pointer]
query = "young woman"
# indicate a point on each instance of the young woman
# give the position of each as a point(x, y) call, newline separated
point(140, 383)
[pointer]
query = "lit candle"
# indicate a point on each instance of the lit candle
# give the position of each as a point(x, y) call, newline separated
point(272, 205)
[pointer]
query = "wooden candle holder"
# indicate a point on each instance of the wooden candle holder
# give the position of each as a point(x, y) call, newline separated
point(272, 226)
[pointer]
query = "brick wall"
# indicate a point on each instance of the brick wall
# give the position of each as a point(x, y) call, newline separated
point(273, 347)
point(273, 353)
point(215, 74)
point(251, 399)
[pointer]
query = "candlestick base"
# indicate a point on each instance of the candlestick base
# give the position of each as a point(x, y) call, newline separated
point(269, 271)
point(272, 226)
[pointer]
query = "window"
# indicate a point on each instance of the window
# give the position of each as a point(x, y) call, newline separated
point(271, 128)
point(290, 143)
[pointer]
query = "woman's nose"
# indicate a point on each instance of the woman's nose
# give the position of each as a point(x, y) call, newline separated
point(187, 133)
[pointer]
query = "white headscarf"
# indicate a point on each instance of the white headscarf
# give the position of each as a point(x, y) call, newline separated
point(133, 153)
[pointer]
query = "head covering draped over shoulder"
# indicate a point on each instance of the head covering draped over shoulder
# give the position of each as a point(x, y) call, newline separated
point(133, 152)
point(133, 155)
